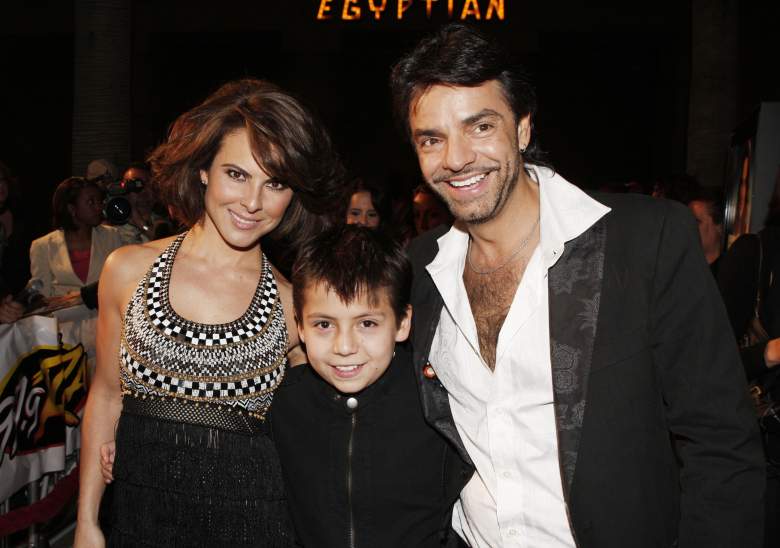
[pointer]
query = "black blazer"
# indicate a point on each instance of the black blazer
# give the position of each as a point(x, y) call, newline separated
point(657, 441)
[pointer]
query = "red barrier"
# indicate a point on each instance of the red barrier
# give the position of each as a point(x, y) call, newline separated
point(43, 510)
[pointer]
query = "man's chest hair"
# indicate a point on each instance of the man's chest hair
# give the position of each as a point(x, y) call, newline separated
point(490, 297)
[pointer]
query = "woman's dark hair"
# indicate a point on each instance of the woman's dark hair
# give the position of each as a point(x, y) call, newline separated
point(459, 55)
point(354, 261)
point(287, 141)
point(66, 194)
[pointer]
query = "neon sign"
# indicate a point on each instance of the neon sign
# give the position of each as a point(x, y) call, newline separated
point(354, 10)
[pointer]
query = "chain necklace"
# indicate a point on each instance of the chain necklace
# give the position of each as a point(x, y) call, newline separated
point(506, 262)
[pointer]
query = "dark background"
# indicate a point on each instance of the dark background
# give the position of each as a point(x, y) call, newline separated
point(613, 78)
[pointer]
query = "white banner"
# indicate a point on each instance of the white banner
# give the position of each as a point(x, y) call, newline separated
point(42, 391)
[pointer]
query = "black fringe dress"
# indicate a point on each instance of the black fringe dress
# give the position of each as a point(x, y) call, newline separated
point(194, 464)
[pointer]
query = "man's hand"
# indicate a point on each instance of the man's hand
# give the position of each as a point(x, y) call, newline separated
point(10, 310)
point(107, 453)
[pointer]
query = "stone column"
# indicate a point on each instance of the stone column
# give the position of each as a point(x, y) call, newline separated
point(101, 89)
point(714, 87)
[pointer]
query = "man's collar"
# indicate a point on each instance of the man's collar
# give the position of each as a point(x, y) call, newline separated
point(565, 213)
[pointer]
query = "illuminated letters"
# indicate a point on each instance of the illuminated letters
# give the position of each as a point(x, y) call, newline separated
point(324, 8)
point(350, 12)
point(377, 9)
point(428, 6)
point(474, 10)
point(498, 5)
point(353, 10)
point(403, 5)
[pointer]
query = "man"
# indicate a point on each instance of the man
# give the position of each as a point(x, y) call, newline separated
point(573, 350)
point(707, 209)
point(139, 228)
point(429, 211)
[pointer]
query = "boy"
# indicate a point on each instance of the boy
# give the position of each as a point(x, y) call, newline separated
point(361, 466)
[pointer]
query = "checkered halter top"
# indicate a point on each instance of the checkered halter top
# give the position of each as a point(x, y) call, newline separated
point(190, 371)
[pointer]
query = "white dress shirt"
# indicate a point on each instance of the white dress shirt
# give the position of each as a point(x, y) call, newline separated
point(506, 418)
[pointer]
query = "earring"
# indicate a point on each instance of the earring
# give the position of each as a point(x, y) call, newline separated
point(203, 182)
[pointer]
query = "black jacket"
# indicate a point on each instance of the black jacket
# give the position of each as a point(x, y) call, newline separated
point(641, 354)
point(738, 279)
point(374, 477)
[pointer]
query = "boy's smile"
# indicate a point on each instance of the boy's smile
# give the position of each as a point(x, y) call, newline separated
point(349, 345)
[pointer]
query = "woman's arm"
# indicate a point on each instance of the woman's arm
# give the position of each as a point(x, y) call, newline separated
point(104, 402)
point(39, 265)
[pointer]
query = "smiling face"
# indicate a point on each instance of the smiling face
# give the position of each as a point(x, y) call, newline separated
point(361, 210)
point(349, 345)
point(468, 145)
point(242, 202)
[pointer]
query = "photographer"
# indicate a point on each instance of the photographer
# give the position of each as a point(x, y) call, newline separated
point(135, 226)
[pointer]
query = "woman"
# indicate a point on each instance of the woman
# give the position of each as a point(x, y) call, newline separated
point(198, 365)
point(72, 255)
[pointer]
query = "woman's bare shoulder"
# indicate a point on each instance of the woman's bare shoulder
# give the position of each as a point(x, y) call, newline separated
point(128, 264)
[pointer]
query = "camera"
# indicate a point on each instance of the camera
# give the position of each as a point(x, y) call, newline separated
point(116, 207)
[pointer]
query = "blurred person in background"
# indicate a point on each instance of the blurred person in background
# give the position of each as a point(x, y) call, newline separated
point(679, 187)
point(369, 204)
point(429, 210)
point(102, 171)
point(72, 255)
point(707, 208)
point(14, 245)
point(140, 227)
point(748, 278)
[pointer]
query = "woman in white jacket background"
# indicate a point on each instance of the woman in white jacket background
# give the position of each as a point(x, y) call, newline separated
point(72, 255)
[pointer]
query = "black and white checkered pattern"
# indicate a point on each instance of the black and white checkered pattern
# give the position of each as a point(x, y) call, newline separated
point(168, 384)
point(164, 318)
point(162, 354)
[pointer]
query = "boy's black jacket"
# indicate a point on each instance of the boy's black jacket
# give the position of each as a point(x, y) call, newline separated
point(404, 476)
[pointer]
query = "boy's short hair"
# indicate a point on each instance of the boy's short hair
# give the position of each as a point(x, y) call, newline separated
point(353, 261)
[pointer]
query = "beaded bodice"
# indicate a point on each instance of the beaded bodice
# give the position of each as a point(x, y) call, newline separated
point(236, 365)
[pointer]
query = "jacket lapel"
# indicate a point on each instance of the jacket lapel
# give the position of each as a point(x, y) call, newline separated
point(60, 261)
point(428, 304)
point(574, 294)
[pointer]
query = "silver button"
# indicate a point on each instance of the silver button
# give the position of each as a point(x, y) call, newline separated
point(513, 532)
point(352, 403)
point(507, 475)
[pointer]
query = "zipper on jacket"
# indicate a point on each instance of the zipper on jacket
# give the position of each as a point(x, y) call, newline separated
point(349, 483)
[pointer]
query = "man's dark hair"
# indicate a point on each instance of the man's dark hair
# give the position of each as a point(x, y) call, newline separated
point(353, 261)
point(459, 55)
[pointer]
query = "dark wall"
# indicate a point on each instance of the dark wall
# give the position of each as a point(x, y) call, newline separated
point(612, 77)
